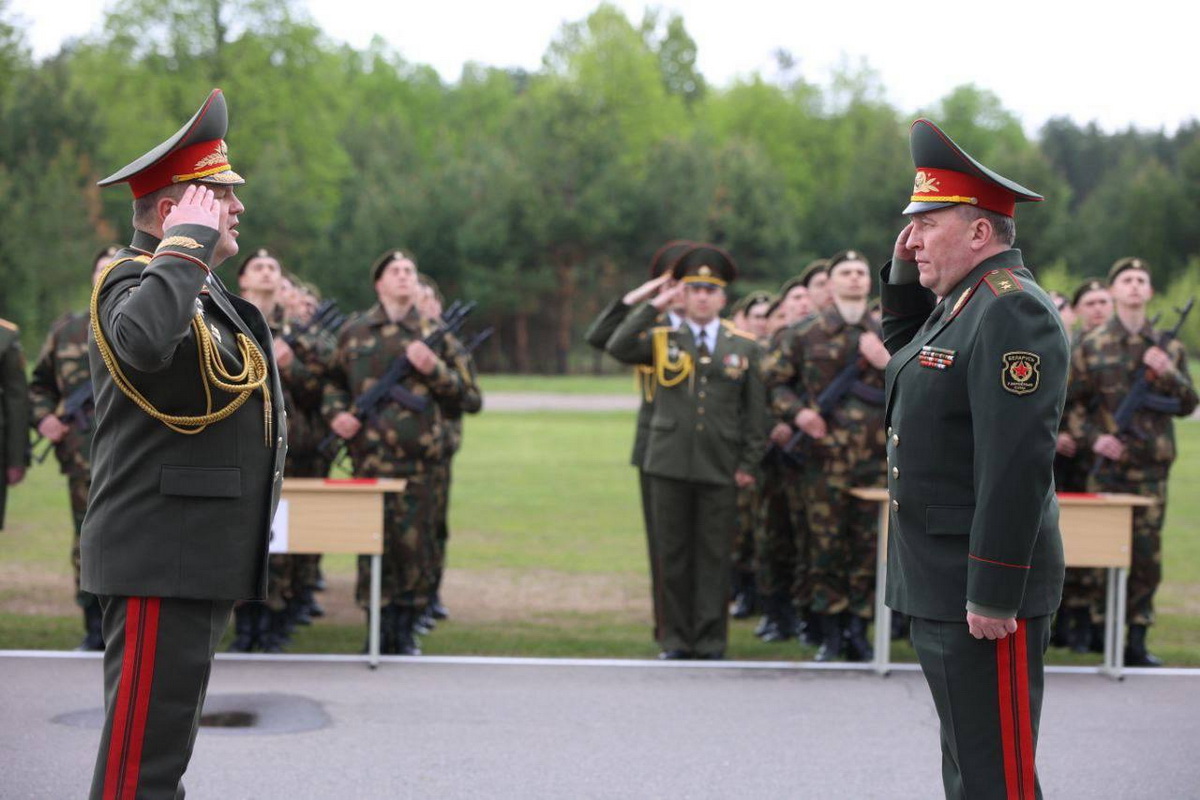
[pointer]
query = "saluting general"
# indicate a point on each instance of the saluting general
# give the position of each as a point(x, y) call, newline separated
point(187, 456)
point(975, 389)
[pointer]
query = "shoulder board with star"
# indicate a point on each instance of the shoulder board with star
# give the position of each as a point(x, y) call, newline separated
point(12, 326)
point(1002, 282)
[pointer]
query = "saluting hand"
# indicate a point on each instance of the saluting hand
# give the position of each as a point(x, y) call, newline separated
point(668, 296)
point(902, 252)
point(982, 627)
point(646, 290)
point(198, 206)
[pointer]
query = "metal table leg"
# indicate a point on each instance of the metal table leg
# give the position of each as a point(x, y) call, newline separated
point(1119, 632)
point(883, 614)
point(376, 590)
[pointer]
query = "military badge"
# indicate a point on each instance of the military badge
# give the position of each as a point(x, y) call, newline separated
point(734, 365)
point(215, 332)
point(936, 357)
point(1020, 374)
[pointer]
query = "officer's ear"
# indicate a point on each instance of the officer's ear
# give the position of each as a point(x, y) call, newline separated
point(981, 232)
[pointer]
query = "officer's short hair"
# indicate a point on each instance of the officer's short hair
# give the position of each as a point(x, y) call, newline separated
point(144, 218)
point(1003, 228)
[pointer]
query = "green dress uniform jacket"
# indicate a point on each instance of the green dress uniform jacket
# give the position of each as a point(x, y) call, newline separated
point(14, 407)
point(974, 402)
point(175, 515)
point(710, 425)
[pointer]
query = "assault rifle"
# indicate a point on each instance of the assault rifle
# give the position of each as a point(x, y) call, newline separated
point(74, 414)
point(1139, 396)
point(326, 318)
point(389, 386)
point(479, 338)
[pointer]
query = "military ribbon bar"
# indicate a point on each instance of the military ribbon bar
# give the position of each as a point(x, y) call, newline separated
point(936, 357)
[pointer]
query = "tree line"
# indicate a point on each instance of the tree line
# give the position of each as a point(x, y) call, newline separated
point(540, 194)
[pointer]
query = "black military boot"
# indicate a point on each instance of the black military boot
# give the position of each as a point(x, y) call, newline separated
point(1079, 629)
point(273, 627)
point(297, 612)
point(745, 598)
point(858, 647)
point(404, 625)
point(308, 598)
point(437, 609)
point(1136, 654)
point(832, 638)
point(425, 623)
point(245, 627)
point(783, 615)
point(387, 630)
point(769, 622)
point(93, 632)
point(812, 629)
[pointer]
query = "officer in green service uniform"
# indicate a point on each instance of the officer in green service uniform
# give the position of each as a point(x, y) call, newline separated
point(598, 335)
point(60, 399)
point(1104, 366)
point(187, 455)
point(975, 388)
point(706, 440)
point(14, 412)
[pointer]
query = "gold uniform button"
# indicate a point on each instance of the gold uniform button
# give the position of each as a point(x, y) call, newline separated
point(895, 505)
point(889, 430)
point(896, 473)
point(702, 395)
point(700, 427)
point(700, 411)
point(896, 439)
point(704, 380)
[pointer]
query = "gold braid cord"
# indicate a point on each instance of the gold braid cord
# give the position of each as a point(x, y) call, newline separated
point(681, 367)
point(253, 376)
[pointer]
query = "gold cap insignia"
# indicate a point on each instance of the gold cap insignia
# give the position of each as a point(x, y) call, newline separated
point(704, 271)
point(924, 183)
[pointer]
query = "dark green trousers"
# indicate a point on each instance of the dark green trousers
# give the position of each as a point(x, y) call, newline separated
point(157, 658)
point(656, 597)
point(693, 524)
point(988, 696)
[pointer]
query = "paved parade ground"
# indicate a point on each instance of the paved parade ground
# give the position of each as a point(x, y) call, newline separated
point(487, 728)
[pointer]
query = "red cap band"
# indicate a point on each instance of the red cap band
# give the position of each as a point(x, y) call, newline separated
point(200, 160)
point(934, 185)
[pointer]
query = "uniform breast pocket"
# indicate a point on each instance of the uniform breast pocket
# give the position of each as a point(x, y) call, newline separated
point(949, 520)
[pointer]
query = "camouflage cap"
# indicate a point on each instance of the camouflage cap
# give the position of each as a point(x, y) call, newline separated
point(1129, 262)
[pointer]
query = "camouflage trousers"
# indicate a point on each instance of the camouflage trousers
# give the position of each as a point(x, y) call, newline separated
point(78, 487)
point(409, 548)
point(781, 536)
point(843, 540)
point(439, 487)
point(1145, 572)
point(1084, 587)
point(745, 528)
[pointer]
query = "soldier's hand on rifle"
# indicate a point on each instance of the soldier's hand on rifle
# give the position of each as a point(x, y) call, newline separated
point(52, 428)
point(346, 425)
point(1157, 359)
point(811, 423)
point(423, 359)
point(1110, 447)
point(872, 349)
point(198, 206)
point(781, 434)
point(1065, 445)
point(668, 296)
point(743, 479)
point(284, 354)
point(15, 475)
point(646, 290)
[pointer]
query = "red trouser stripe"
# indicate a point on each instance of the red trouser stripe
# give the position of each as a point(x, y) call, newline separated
point(1016, 730)
point(133, 698)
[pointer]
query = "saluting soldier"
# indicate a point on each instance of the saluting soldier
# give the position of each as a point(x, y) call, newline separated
point(14, 411)
point(1104, 366)
point(706, 440)
point(975, 385)
point(60, 397)
point(841, 379)
point(598, 335)
point(403, 437)
point(187, 455)
point(431, 306)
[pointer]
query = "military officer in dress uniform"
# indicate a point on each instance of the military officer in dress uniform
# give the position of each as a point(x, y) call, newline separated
point(60, 399)
point(975, 387)
point(598, 335)
point(706, 440)
point(14, 412)
point(187, 455)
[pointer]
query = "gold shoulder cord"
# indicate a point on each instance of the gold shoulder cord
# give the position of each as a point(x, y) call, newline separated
point(252, 377)
point(682, 366)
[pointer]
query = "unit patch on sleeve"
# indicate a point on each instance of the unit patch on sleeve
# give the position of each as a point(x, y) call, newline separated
point(1020, 374)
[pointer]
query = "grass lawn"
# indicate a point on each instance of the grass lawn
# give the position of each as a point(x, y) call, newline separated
point(547, 556)
point(621, 383)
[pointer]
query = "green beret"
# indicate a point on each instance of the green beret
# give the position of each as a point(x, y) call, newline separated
point(1089, 285)
point(1129, 262)
point(425, 280)
point(261, 252)
point(743, 304)
point(379, 264)
point(847, 255)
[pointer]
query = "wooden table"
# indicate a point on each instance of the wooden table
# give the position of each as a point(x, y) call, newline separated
point(324, 515)
point(1096, 532)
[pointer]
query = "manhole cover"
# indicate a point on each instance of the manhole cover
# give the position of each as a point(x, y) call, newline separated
point(236, 715)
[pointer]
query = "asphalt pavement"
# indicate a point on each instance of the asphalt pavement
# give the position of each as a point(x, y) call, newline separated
point(487, 728)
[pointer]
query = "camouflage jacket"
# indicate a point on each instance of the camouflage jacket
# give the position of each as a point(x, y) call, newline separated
point(470, 402)
point(1103, 366)
point(395, 441)
point(830, 345)
point(303, 383)
point(782, 368)
point(62, 368)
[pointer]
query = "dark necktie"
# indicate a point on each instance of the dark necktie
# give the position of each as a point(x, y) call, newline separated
point(702, 348)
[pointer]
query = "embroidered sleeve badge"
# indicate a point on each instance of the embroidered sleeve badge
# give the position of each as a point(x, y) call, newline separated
point(1020, 374)
point(180, 241)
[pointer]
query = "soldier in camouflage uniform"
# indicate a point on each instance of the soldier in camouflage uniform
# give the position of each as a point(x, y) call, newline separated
point(1079, 622)
point(14, 412)
point(62, 375)
point(1104, 365)
point(842, 345)
point(431, 306)
point(404, 437)
point(783, 524)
